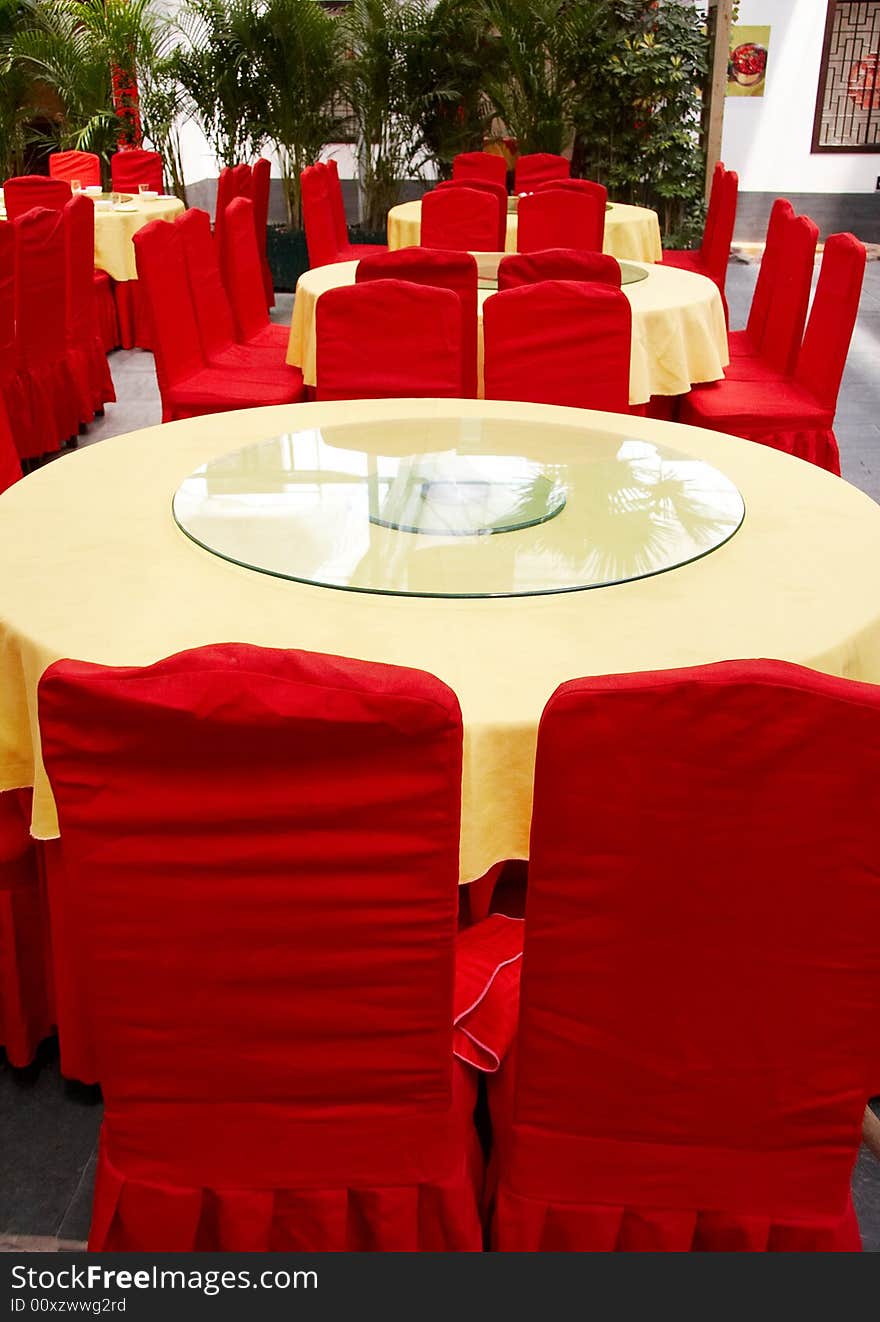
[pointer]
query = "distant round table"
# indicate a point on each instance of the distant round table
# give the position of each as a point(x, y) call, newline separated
point(679, 337)
point(136, 587)
point(631, 233)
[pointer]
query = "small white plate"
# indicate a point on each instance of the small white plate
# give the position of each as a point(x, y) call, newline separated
point(93, 190)
point(149, 196)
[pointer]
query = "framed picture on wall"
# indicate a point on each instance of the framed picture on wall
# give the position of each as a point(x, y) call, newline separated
point(848, 99)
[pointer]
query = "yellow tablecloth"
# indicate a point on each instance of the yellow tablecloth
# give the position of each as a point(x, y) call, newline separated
point(114, 251)
point(93, 567)
point(679, 336)
point(632, 233)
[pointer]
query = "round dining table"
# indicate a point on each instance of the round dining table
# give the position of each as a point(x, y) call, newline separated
point(679, 336)
point(105, 558)
point(115, 226)
point(631, 233)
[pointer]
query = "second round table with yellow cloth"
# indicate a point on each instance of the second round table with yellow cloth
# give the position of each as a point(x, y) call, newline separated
point(679, 336)
point(631, 233)
point(114, 230)
point(798, 581)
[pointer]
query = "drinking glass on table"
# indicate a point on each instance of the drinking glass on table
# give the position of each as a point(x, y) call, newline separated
point(75, 185)
point(143, 188)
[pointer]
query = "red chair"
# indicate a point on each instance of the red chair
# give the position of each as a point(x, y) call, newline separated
point(714, 253)
point(779, 340)
point(131, 167)
point(559, 218)
point(261, 178)
point(463, 219)
point(443, 270)
point(82, 165)
point(10, 386)
point(796, 413)
point(10, 464)
point(539, 167)
point(188, 386)
point(243, 279)
point(388, 339)
point(480, 165)
point(559, 342)
point(25, 1009)
point(558, 264)
point(214, 315)
point(324, 217)
point(26, 191)
point(499, 193)
point(85, 351)
point(700, 983)
point(46, 400)
point(746, 343)
point(234, 181)
point(588, 186)
point(275, 1054)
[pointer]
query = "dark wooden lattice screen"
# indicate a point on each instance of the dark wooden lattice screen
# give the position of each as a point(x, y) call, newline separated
point(848, 100)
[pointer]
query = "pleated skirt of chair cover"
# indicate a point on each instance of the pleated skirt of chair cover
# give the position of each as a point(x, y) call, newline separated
point(134, 1210)
point(26, 1013)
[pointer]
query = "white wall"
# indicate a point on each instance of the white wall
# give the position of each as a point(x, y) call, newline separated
point(767, 139)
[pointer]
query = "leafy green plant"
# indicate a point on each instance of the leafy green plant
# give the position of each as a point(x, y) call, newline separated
point(15, 86)
point(296, 49)
point(214, 66)
point(378, 34)
point(637, 115)
point(447, 60)
point(529, 86)
point(76, 48)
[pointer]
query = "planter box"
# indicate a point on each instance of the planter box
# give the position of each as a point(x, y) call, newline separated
point(288, 256)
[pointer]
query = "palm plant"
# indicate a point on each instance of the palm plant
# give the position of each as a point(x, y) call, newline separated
point(14, 93)
point(77, 48)
point(297, 56)
point(447, 59)
point(214, 65)
point(529, 86)
point(378, 34)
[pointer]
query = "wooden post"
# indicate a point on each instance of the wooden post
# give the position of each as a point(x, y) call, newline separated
point(720, 15)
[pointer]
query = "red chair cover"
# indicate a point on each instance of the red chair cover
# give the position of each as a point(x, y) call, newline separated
point(26, 191)
point(243, 278)
point(463, 219)
point(558, 342)
point(188, 387)
point(558, 264)
point(498, 192)
point(85, 352)
point(796, 415)
point(388, 339)
point(444, 270)
point(106, 315)
point(560, 218)
point(746, 343)
point(131, 167)
point(588, 186)
point(714, 253)
point(10, 386)
point(321, 238)
point(480, 165)
point(539, 167)
point(337, 206)
point(25, 1009)
point(261, 178)
point(82, 165)
point(699, 1004)
point(783, 322)
point(10, 464)
point(214, 314)
point(287, 1082)
point(47, 395)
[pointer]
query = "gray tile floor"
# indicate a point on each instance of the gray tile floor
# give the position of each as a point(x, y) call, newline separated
point(48, 1128)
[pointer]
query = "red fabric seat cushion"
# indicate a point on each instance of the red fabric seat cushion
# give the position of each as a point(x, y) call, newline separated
point(769, 402)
